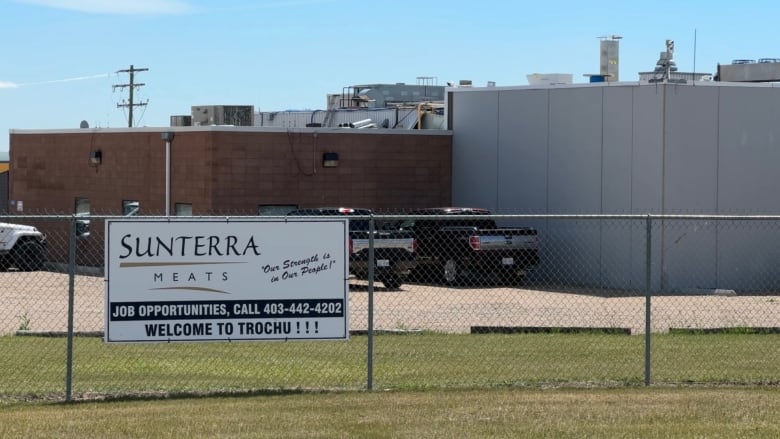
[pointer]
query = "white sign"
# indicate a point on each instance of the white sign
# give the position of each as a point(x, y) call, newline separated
point(242, 279)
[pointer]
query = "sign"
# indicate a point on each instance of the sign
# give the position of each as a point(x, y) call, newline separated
point(226, 280)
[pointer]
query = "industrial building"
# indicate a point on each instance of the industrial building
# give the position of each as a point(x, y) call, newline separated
point(748, 70)
point(671, 143)
point(629, 148)
point(396, 106)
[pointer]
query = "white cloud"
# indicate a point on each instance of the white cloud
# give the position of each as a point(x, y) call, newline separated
point(122, 7)
point(8, 84)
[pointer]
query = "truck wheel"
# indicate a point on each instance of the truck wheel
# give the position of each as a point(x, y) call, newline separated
point(391, 282)
point(451, 272)
point(512, 277)
point(28, 256)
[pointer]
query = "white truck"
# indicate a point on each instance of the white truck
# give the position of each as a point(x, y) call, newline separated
point(21, 246)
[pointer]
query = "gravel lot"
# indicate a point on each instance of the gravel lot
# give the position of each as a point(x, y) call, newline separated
point(38, 301)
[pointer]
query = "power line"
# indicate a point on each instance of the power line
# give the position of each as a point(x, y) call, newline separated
point(132, 85)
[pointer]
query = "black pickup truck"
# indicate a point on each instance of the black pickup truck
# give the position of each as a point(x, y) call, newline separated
point(457, 244)
point(394, 250)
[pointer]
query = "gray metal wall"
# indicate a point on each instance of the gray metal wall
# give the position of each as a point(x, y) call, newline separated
point(628, 149)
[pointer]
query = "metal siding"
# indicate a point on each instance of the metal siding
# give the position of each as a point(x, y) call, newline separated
point(616, 159)
point(691, 150)
point(647, 149)
point(755, 72)
point(522, 151)
point(688, 257)
point(299, 119)
point(575, 150)
point(646, 176)
point(666, 148)
point(616, 236)
point(749, 151)
point(475, 149)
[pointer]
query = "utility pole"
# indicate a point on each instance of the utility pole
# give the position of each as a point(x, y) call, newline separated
point(130, 104)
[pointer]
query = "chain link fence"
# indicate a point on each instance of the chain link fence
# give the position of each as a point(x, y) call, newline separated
point(523, 300)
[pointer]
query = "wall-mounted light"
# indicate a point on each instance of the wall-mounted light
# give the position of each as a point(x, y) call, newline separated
point(330, 160)
point(96, 157)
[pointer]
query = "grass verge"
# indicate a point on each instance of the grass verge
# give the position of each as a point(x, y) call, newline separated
point(681, 412)
point(34, 367)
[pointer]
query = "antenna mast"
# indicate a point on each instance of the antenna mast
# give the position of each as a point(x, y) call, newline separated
point(130, 103)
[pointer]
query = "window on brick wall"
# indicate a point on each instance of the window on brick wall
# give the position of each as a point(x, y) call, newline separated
point(182, 209)
point(82, 206)
point(130, 208)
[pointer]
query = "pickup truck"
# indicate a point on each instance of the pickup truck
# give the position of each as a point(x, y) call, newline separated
point(458, 248)
point(394, 250)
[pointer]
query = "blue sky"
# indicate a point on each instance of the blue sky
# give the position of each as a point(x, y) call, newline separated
point(60, 57)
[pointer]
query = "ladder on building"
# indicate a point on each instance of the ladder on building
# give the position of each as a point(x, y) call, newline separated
point(328, 117)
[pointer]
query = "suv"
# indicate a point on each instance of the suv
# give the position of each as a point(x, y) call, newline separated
point(394, 250)
point(21, 246)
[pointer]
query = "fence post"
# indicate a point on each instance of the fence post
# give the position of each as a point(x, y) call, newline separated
point(648, 274)
point(71, 294)
point(370, 355)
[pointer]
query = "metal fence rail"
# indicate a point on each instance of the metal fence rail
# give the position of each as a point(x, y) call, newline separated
point(612, 299)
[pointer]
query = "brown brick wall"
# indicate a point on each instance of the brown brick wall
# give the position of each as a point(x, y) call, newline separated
point(228, 171)
point(223, 171)
point(380, 171)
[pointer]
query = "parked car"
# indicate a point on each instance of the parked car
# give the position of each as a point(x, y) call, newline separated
point(21, 246)
point(394, 250)
point(458, 243)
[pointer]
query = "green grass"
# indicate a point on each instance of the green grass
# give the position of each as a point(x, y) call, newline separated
point(34, 367)
point(626, 412)
point(425, 385)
